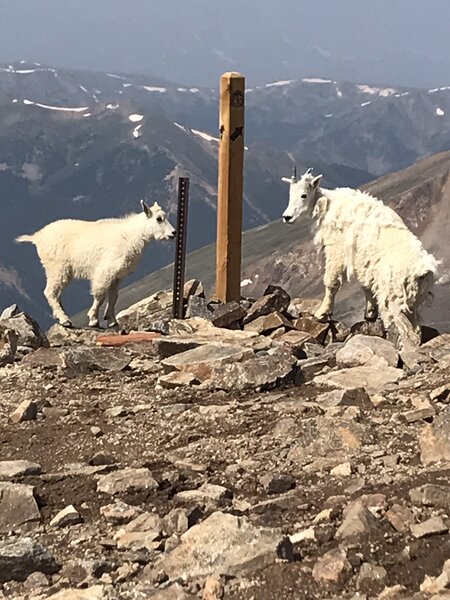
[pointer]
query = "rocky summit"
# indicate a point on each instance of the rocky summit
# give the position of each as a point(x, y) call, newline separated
point(247, 452)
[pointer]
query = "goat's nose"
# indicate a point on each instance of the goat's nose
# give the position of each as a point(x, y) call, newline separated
point(287, 218)
point(173, 234)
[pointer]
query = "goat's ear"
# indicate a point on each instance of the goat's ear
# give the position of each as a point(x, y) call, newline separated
point(315, 182)
point(146, 209)
point(286, 179)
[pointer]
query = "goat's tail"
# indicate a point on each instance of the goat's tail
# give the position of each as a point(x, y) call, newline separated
point(25, 238)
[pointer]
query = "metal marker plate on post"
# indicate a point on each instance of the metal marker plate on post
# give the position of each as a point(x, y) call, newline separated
point(180, 250)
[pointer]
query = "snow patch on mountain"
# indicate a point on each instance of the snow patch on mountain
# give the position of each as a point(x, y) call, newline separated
point(59, 108)
point(135, 118)
point(383, 92)
point(205, 136)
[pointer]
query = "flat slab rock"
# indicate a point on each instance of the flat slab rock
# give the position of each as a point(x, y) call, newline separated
point(202, 360)
point(434, 439)
point(81, 358)
point(18, 507)
point(372, 379)
point(262, 370)
point(223, 544)
point(18, 468)
point(362, 350)
point(126, 480)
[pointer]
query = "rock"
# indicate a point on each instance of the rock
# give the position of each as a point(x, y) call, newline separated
point(278, 301)
point(361, 350)
point(101, 459)
point(400, 517)
point(371, 578)
point(342, 470)
point(167, 346)
point(177, 379)
point(18, 508)
point(212, 589)
point(147, 314)
point(431, 494)
point(436, 585)
point(222, 543)
point(9, 469)
point(145, 522)
point(339, 331)
point(423, 410)
point(296, 341)
point(310, 367)
point(440, 393)
point(94, 592)
point(351, 397)
point(67, 516)
point(26, 329)
point(198, 307)
point(80, 359)
point(139, 541)
point(333, 567)
point(264, 371)
point(228, 314)
point(179, 520)
point(268, 323)
point(358, 520)
point(277, 483)
point(373, 328)
point(8, 346)
point(433, 526)
point(126, 480)
point(213, 496)
point(394, 592)
point(434, 439)
point(315, 328)
point(119, 512)
point(58, 336)
point(23, 556)
point(438, 348)
point(26, 411)
point(193, 287)
point(202, 360)
point(372, 379)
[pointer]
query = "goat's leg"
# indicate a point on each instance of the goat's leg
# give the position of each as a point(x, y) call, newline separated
point(402, 329)
point(99, 294)
point(53, 291)
point(332, 280)
point(112, 294)
point(371, 311)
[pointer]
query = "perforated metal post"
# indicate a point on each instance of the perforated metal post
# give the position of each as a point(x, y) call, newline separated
point(180, 248)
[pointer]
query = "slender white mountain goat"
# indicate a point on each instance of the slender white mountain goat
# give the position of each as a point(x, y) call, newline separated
point(364, 238)
point(103, 252)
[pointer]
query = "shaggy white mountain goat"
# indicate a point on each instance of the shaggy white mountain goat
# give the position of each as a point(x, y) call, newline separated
point(103, 252)
point(364, 238)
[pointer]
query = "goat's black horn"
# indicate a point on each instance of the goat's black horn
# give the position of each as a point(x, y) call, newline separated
point(295, 172)
point(309, 171)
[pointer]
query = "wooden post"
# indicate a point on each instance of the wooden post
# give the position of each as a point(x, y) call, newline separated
point(230, 187)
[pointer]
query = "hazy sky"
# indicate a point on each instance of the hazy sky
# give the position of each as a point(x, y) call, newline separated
point(191, 39)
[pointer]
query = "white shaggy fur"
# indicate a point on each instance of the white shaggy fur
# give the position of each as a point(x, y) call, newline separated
point(364, 238)
point(103, 252)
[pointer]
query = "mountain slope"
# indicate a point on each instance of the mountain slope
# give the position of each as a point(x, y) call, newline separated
point(282, 254)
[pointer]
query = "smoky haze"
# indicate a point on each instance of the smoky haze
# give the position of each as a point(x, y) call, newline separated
point(193, 41)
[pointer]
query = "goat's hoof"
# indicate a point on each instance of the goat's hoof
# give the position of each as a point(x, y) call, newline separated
point(113, 325)
point(323, 317)
point(67, 324)
point(370, 316)
point(94, 323)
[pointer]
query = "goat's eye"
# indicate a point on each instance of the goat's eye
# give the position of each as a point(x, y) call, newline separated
point(303, 195)
point(159, 219)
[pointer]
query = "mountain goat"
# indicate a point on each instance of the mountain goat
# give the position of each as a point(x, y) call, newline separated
point(362, 237)
point(103, 252)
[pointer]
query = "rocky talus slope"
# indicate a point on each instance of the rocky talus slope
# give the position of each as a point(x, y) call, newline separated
point(247, 452)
